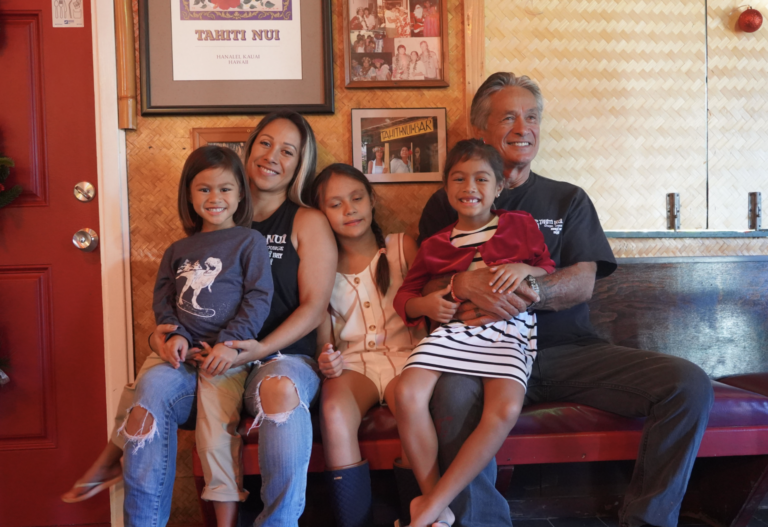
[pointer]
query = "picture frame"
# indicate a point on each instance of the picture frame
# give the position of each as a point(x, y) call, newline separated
point(308, 91)
point(382, 39)
point(420, 131)
point(232, 137)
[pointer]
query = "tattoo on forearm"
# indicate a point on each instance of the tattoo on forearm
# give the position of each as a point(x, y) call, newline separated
point(567, 287)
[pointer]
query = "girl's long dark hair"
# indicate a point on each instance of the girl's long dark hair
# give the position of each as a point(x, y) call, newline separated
point(212, 156)
point(382, 268)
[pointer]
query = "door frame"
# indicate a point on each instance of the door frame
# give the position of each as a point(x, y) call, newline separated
point(114, 229)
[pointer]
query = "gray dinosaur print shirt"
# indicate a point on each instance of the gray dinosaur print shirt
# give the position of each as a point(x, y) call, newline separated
point(216, 286)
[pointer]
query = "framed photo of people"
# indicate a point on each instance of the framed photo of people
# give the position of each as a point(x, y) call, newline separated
point(395, 43)
point(235, 57)
point(399, 145)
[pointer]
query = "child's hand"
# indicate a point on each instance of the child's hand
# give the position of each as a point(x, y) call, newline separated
point(438, 308)
point(219, 360)
point(330, 362)
point(196, 356)
point(174, 350)
point(508, 276)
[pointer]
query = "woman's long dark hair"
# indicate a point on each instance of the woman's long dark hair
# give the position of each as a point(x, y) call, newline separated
point(382, 268)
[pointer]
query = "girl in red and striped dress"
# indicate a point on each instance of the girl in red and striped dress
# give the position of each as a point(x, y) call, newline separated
point(502, 353)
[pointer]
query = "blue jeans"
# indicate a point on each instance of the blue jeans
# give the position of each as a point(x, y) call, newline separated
point(674, 395)
point(285, 439)
point(149, 467)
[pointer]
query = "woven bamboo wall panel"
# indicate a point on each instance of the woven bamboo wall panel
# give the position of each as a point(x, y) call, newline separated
point(159, 146)
point(624, 88)
point(669, 247)
point(738, 122)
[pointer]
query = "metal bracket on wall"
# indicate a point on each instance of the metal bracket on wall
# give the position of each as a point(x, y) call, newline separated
point(673, 211)
point(754, 211)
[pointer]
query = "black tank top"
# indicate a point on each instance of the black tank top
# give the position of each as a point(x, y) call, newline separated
point(285, 269)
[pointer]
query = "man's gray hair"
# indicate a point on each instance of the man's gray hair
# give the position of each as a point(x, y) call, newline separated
point(481, 104)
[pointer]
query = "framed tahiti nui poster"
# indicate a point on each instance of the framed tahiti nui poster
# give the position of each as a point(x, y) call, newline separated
point(235, 56)
point(395, 43)
point(399, 145)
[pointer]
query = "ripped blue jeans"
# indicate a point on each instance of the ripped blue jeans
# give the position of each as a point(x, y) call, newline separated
point(149, 458)
point(285, 439)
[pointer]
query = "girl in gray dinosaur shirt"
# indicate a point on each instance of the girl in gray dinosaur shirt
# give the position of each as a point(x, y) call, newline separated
point(215, 286)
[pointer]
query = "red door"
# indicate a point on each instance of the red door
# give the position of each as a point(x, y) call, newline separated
point(52, 413)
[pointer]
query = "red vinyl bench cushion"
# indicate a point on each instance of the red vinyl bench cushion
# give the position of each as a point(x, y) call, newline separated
point(564, 432)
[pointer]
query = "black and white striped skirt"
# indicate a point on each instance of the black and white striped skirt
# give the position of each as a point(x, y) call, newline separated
point(504, 349)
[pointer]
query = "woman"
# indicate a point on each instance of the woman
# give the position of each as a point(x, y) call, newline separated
point(382, 70)
point(367, 71)
point(416, 71)
point(356, 23)
point(280, 162)
point(376, 165)
point(401, 165)
point(400, 65)
point(359, 45)
point(431, 20)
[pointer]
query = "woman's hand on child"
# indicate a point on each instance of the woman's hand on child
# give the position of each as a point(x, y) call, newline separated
point(330, 362)
point(158, 336)
point(219, 359)
point(248, 351)
point(174, 350)
point(508, 277)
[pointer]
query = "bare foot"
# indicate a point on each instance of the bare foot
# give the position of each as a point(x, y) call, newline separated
point(97, 478)
point(424, 515)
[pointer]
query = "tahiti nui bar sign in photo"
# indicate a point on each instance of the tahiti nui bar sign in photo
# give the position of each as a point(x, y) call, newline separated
point(399, 145)
point(418, 127)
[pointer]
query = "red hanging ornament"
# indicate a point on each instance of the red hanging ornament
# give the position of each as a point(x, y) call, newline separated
point(750, 20)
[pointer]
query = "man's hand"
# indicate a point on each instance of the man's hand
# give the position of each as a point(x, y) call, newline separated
point(471, 315)
point(474, 286)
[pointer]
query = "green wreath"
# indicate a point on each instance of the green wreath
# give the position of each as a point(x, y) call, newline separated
point(7, 196)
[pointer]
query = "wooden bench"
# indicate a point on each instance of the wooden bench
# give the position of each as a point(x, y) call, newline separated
point(712, 311)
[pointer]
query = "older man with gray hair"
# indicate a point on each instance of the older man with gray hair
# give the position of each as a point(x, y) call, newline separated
point(573, 363)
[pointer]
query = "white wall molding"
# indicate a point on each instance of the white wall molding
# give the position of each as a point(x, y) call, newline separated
point(113, 223)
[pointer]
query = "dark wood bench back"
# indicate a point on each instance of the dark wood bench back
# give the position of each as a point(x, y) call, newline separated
point(711, 311)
